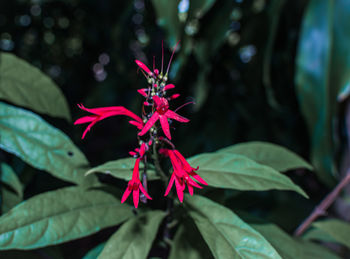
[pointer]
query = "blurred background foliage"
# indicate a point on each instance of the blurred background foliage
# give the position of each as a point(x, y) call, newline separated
point(228, 61)
point(236, 59)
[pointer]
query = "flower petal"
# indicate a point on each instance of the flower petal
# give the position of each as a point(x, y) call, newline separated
point(86, 119)
point(190, 188)
point(173, 115)
point(171, 182)
point(169, 86)
point(157, 100)
point(126, 194)
point(144, 192)
point(143, 92)
point(198, 178)
point(143, 67)
point(179, 190)
point(193, 183)
point(136, 197)
point(165, 125)
point(149, 123)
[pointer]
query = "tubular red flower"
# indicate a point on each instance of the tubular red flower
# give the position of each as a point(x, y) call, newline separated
point(182, 174)
point(135, 186)
point(163, 114)
point(99, 114)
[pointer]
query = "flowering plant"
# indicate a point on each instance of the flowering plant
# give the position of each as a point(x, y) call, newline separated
point(155, 108)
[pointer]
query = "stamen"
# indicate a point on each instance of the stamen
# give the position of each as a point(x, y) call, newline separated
point(185, 104)
point(171, 58)
point(162, 59)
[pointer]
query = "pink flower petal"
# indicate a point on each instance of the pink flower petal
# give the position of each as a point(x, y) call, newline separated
point(199, 179)
point(169, 86)
point(157, 100)
point(85, 119)
point(149, 123)
point(171, 182)
point(144, 192)
point(193, 183)
point(172, 115)
point(174, 96)
point(179, 190)
point(126, 194)
point(136, 197)
point(143, 67)
point(190, 189)
point(165, 125)
point(143, 92)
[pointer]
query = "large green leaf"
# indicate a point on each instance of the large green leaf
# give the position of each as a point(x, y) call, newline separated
point(29, 137)
point(167, 18)
point(184, 247)
point(323, 76)
point(275, 156)
point(225, 233)
point(59, 216)
point(24, 85)
point(338, 230)
point(290, 248)
point(94, 252)
point(134, 238)
point(227, 170)
point(122, 169)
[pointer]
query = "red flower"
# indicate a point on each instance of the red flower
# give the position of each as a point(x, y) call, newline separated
point(163, 114)
point(135, 186)
point(182, 174)
point(99, 114)
point(140, 152)
point(143, 67)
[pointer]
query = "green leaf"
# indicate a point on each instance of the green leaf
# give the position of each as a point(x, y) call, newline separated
point(184, 247)
point(167, 19)
point(58, 216)
point(25, 85)
point(9, 177)
point(337, 229)
point(290, 248)
point(29, 137)
point(272, 155)
point(225, 233)
point(95, 252)
point(323, 77)
point(134, 238)
point(318, 234)
point(9, 200)
point(122, 169)
point(232, 171)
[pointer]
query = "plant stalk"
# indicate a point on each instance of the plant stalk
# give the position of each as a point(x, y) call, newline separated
point(320, 210)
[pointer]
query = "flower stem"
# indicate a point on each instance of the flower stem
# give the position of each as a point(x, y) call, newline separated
point(323, 206)
point(143, 198)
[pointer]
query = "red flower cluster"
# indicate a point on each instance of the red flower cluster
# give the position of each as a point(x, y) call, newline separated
point(158, 103)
